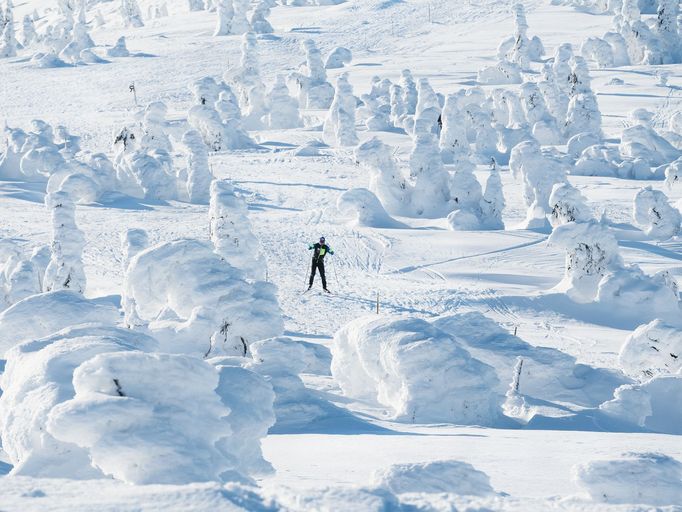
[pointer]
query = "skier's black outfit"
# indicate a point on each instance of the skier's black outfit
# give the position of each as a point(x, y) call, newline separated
point(321, 249)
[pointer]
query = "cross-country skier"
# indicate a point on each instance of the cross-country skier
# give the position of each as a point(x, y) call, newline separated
point(320, 250)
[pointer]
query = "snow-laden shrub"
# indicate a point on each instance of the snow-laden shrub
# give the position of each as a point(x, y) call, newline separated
point(135, 415)
point(539, 172)
point(10, 160)
point(365, 209)
point(195, 302)
point(568, 205)
point(37, 377)
point(598, 50)
point(653, 349)
point(386, 180)
point(147, 174)
point(314, 92)
point(338, 58)
point(591, 253)
point(259, 19)
point(219, 133)
point(501, 73)
point(442, 476)
point(199, 175)
point(466, 196)
point(646, 296)
point(654, 215)
point(640, 141)
point(546, 375)
point(636, 478)
point(231, 233)
point(673, 173)
point(282, 108)
point(420, 373)
point(65, 270)
point(119, 49)
point(580, 142)
point(339, 126)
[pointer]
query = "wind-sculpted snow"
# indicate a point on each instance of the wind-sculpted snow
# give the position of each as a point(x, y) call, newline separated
point(650, 479)
point(420, 373)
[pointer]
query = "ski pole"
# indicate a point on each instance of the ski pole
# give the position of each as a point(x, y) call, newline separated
point(307, 275)
point(335, 274)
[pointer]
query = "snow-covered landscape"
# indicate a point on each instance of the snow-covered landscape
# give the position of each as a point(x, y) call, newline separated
point(494, 321)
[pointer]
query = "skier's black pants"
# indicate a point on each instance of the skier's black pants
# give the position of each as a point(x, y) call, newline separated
point(318, 264)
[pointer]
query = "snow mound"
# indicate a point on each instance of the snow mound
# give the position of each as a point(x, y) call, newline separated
point(422, 374)
point(136, 414)
point(37, 377)
point(446, 476)
point(66, 308)
point(196, 302)
point(637, 478)
point(649, 405)
point(366, 209)
point(653, 349)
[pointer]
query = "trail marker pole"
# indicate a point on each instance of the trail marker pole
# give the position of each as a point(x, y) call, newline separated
point(377, 302)
point(132, 89)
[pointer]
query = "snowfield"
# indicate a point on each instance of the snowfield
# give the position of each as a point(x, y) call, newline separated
point(500, 187)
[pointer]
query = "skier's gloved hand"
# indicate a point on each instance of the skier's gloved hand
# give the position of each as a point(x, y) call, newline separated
point(310, 247)
point(331, 252)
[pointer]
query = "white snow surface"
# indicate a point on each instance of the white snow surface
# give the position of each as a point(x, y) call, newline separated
point(223, 354)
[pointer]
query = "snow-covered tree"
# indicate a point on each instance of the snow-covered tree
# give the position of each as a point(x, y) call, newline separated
point(667, 28)
point(431, 194)
point(539, 173)
point(426, 97)
point(673, 173)
point(386, 180)
point(561, 67)
point(65, 270)
point(199, 175)
point(282, 108)
point(568, 205)
point(518, 48)
point(454, 142)
point(154, 125)
point(131, 14)
point(410, 91)
point(314, 92)
point(80, 40)
point(195, 5)
point(654, 215)
point(225, 12)
point(339, 126)
point(119, 49)
point(231, 232)
point(583, 110)
point(493, 203)
point(338, 58)
point(8, 41)
point(228, 105)
point(240, 22)
point(30, 35)
point(247, 79)
point(259, 18)
point(591, 253)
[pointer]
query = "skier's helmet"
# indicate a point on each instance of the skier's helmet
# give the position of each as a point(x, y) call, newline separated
point(321, 239)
